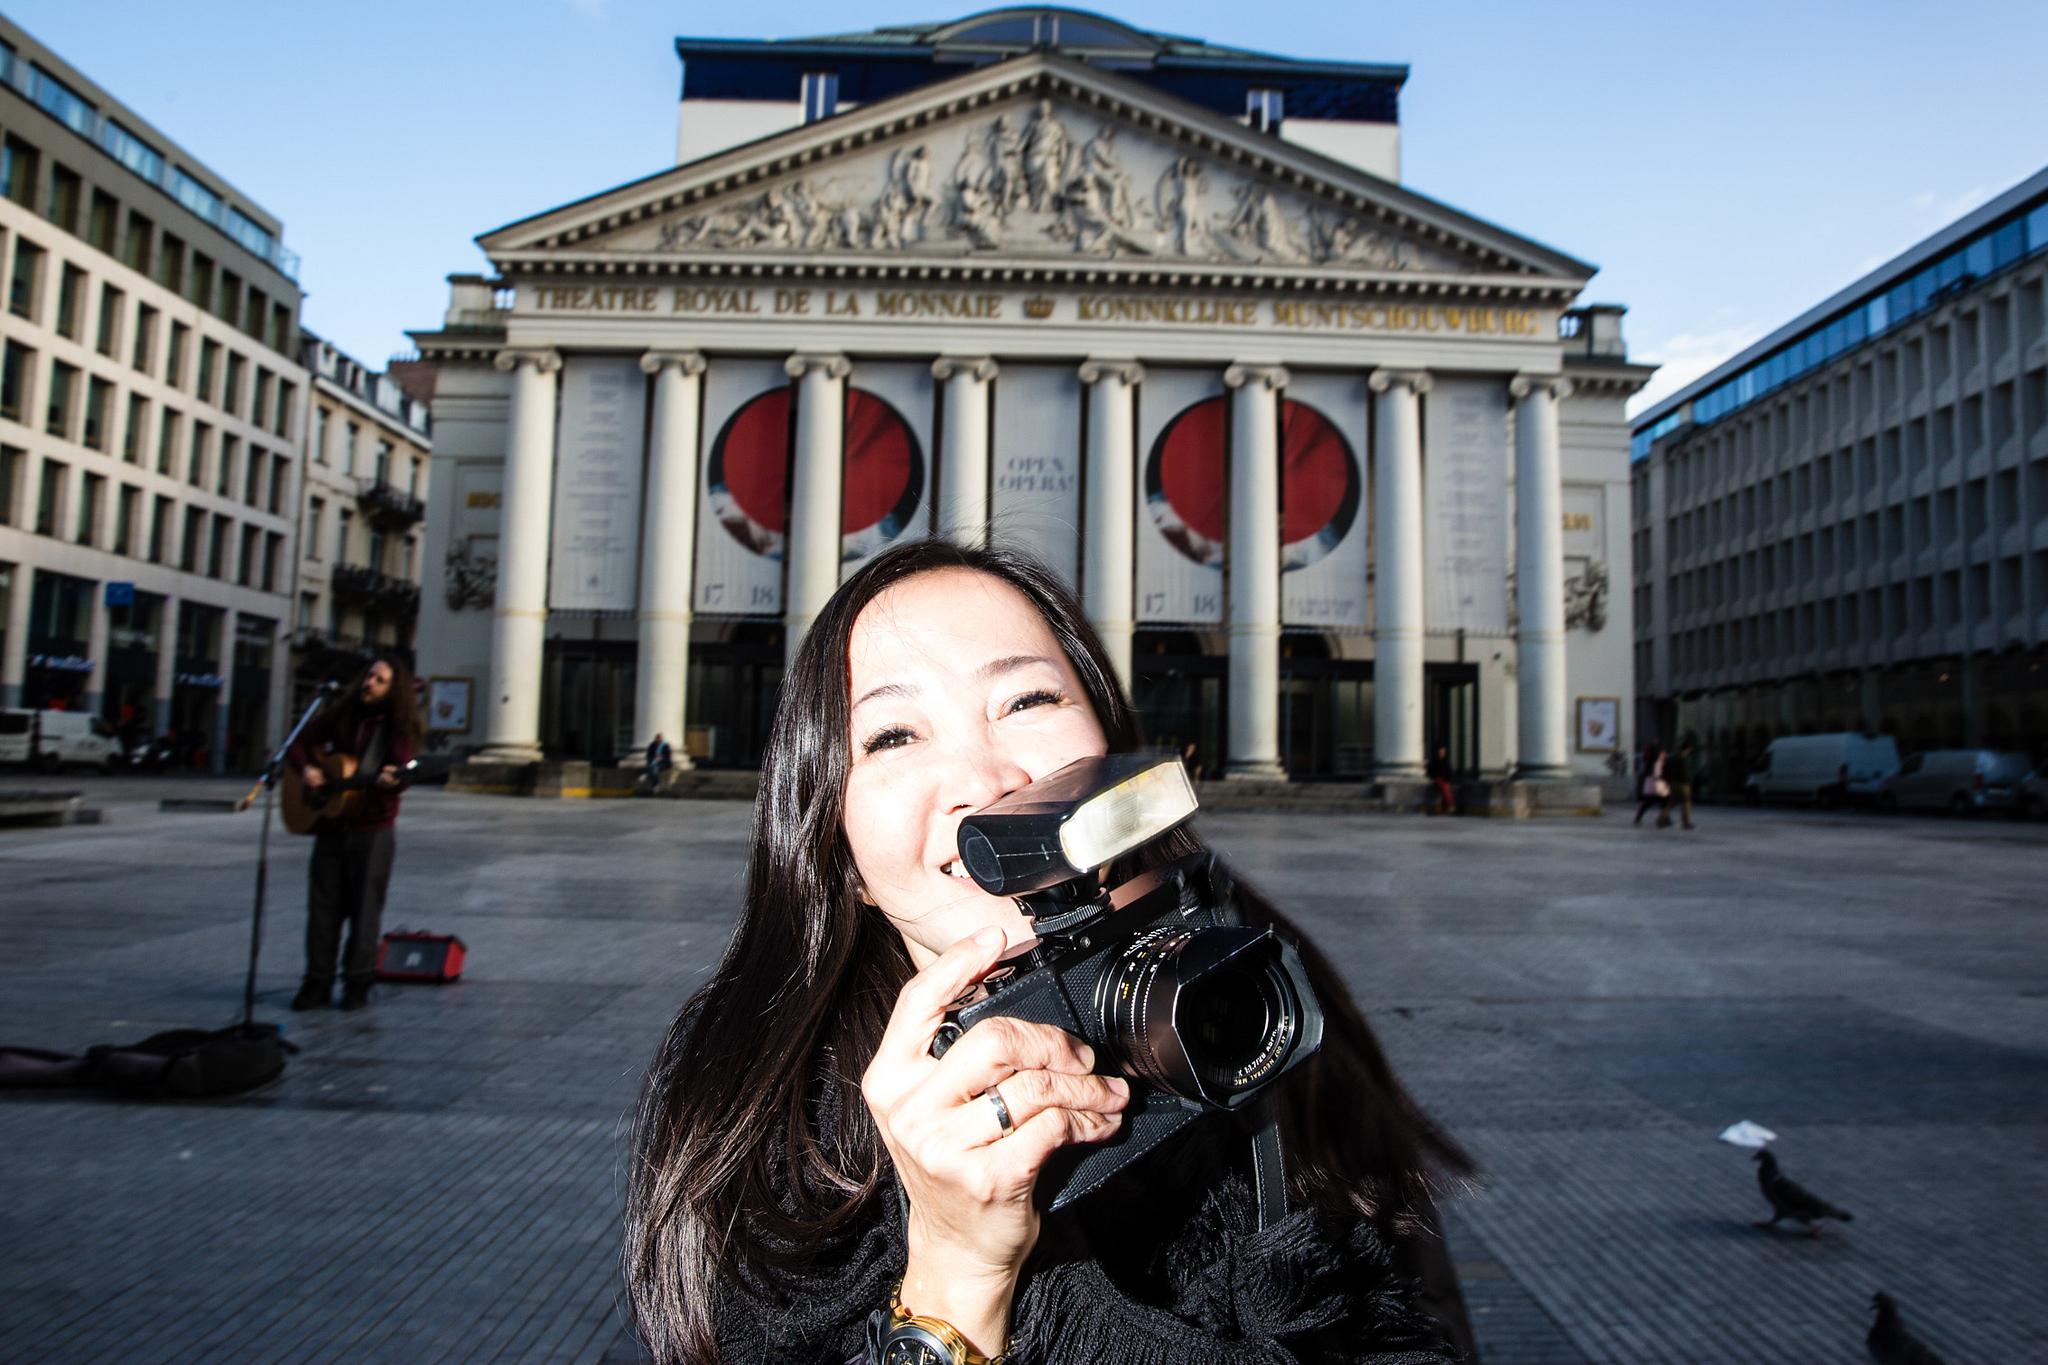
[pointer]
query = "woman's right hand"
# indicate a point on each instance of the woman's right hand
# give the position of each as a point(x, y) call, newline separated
point(972, 1219)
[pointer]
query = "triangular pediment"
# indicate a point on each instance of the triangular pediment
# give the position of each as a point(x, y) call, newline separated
point(1035, 162)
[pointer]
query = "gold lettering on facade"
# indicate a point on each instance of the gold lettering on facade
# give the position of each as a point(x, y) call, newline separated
point(792, 300)
point(903, 303)
point(483, 497)
point(1186, 312)
point(1578, 521)
point(704, 300)
point(1408, 317)
point(841, 305)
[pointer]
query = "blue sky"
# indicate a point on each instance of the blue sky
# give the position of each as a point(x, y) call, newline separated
point(1726, 166)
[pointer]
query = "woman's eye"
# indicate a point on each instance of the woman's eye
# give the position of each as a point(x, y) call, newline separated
point(1043, 697)
point(895, 736)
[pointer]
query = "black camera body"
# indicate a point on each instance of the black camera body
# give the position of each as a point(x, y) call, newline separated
point(1159, 975)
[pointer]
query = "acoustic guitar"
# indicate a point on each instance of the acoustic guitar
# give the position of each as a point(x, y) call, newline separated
point(306, 811)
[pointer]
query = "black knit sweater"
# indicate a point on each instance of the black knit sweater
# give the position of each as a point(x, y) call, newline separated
point(1165, 1265)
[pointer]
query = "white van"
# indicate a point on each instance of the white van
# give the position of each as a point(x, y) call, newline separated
point(1829, 768)
point(66, 738)
point(1963, 781)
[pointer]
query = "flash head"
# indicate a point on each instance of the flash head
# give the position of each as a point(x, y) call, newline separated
point(1089, 813)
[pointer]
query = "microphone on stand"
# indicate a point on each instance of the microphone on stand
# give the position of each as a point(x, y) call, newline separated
point(328, 688)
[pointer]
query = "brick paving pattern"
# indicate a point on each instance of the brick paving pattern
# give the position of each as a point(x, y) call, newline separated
point(1584, 1004)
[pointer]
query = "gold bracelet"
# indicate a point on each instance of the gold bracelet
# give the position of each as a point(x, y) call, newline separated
point(962, 1350)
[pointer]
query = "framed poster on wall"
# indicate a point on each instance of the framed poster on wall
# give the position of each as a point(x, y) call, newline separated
point(448, 705)
point(1599, 725)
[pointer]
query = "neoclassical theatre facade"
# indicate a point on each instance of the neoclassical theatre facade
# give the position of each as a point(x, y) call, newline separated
point(1338, 472)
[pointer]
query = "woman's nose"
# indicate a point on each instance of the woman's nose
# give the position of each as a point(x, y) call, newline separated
point(981, 775)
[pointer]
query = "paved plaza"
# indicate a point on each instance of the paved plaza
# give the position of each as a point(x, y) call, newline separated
point(1585, 1004)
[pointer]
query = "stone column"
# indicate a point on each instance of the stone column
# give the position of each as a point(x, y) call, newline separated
point(1254, 551)
point(96, 650)
point(668, 543)
point(1397, 571)
point(813, 546)
point(963, 449)
point(518, 629)
point(1542, 749)
point(166, 666)
point(1109, 506)
point(14, 659)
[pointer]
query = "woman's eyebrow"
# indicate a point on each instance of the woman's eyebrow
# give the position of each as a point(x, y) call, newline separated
point(993, 668)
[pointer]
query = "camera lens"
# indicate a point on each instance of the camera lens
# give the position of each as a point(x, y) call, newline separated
point(1206, 1014)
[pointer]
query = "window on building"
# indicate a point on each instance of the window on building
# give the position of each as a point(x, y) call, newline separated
point(14, 371)
point(159, 527)
point(245, 566)
point(167, 441)
point(252, 235)
point(63, 103)
point(309, 609)
point(12, 463)
point(202, 291)
point(71, 301)
point(348, 451)
point(135, 243)
point(27, 277)
point(273, 547)
point(170, 264)
point(1264, 109)
point(174, 356)
point(19, 163)
point(49, 497)
point(820, 95)
point(259, 397)
point(252, 477)
point(254, 312)
point(124, 519)
point(99, 396)
point(195, 463)
point(230, 452)
point(316, 519)
point(412, 477)
point(217, 548)
point(145, 337)
point(319, 451)
point(383, 462)
point(195, 529)
point(280, 479)
point(108, 334)
point(376, 556)
point(137, 429)
point(341, 530)
point(65, 189)
point(101, 221)
point(231, 386)
point(91, 490)
point(287, 400)
point(281, 328)
point(132, 152)
point(209, 355)
point(63, 387)
point(194, 196)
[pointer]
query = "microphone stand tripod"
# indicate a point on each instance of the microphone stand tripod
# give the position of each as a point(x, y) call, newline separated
point(266, 782)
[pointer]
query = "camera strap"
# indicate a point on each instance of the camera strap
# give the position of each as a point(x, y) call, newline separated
point(1269, 1168)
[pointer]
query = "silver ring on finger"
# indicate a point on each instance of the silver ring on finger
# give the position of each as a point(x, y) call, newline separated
point(995, 1097)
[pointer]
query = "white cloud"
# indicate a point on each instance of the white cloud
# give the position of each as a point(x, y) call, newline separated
point(1688, 355)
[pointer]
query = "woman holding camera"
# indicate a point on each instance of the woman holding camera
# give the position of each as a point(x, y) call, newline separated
point(807, 1177)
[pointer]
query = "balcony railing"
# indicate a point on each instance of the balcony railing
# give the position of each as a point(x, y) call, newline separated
point(377, 589)
point(390, 504)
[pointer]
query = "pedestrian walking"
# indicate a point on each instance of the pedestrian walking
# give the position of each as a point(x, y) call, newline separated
point(660, 758)
point(1440, 774)
point(1678, 771)
point(1656, 789)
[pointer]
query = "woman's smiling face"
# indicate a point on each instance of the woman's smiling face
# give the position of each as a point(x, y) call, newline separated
point(961, 693)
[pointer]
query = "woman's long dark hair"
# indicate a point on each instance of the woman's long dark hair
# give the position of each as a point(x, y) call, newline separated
point(732, 1169)
point(401, 704)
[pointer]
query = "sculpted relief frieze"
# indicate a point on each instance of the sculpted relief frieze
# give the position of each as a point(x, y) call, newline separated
point(1040, 180)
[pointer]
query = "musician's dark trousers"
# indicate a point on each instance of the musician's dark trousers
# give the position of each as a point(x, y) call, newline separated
point(350, 873)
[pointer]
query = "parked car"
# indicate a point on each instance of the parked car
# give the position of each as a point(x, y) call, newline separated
point(1823, 768)
point(1961, 781)
point(2032, 798)
point(59, 738)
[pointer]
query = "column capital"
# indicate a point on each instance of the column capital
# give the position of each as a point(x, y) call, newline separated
point(1271, 376)
point(1522, 385)
point(982, 368)
point(1417, 381)
point(689, 362)
point(831, 364)
point(1094, 370)
point(545, 360)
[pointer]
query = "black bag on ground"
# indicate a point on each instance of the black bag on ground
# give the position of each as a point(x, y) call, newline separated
point(178, 1064)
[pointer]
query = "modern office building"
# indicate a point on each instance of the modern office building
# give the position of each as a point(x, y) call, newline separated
point(150, 409)
point(363, 498)
point(1845, 527)
point(1159, 310)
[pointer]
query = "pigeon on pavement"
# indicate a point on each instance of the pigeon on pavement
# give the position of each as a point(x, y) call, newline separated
point(1789, 1199)
point(1889, 1341)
